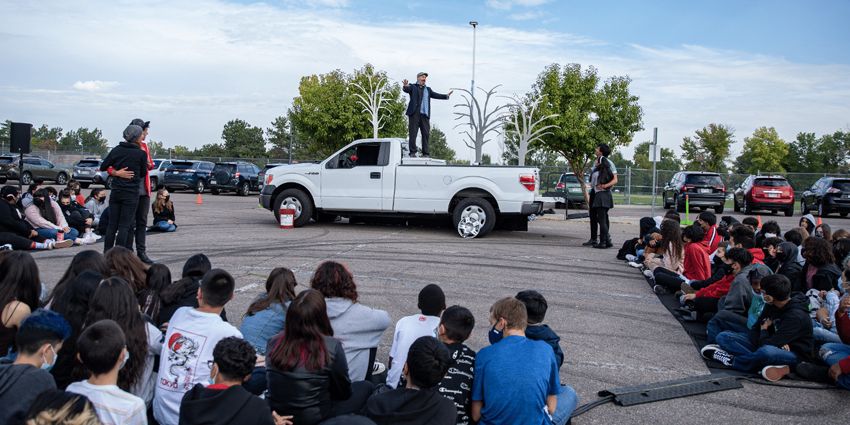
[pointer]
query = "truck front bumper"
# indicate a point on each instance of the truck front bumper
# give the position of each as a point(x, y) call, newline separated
point(266, 196)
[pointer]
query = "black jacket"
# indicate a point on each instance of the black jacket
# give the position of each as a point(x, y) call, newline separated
point(75, 216)
point(404, 406)
point(183, 293)
point(306, 394)
point(547, 335)
point(791, 326)
point(163, 215)
point(131, 156)
point(233, 406)
point(825, 278)
point(12, 220)
point(415, 92)
point(19, 386)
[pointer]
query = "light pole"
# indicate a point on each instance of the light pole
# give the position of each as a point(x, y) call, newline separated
point(472, 85)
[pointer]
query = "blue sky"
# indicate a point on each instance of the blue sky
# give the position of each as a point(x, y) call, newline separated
point(190, 66)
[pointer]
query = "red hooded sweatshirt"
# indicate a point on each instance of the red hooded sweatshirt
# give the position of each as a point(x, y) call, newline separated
point(721, 287)
point(712, 239)
point(842, 321)
point(697, 265)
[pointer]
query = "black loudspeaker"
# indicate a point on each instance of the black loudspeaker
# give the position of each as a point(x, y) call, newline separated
point(20, 137)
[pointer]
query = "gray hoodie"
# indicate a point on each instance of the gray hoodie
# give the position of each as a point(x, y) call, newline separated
point(19, 386)
point(741, 291)
point(359, 328)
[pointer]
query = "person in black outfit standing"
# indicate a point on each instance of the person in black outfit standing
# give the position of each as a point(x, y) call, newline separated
point(602, 178)
point(140, 227)
point(419, 111)
point(124, 199)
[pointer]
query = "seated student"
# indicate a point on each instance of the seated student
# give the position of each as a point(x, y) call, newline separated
point(125, 264)
point(163, 212)
point(432, 302)
point(702, 297)
point(696, 266)
point(20, 287)
point(807, 222)
point(189, 341)
point(103, 351)
point(56, 407)
point(769, 229)
point(75, 189)
point(629, 250)
point(73, 303)
point(47, 218)
point(712, 238)
point(456, 324)
point(780, 338)
point(668, 256)
point(516, 381)
point(26, 199)
point(96, 205)
point(732, 308)
point(837, 355)
point(38, 340)
point(840, 250)
point(823, 231)
point(223, 400)
point(158, 278)
point(790, 262)
point(266, 316)
point(306, 366)
point(770, 247)
point(16, 231)
point(719, 269)
point(820, 265)
point(419, 402)
point(77, 217)
point(184, 292)
point(536, 306)
point(358, 327)
point(752, 223)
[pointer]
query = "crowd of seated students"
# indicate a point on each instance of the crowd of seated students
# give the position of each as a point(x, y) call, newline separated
point(775, 304)
point(117, 342)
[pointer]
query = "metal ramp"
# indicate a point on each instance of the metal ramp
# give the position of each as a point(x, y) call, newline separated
point(666, 390)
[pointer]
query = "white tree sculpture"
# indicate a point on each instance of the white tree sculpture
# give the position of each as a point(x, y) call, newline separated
point(524, 127)
point(372, 98)
point(480, 121)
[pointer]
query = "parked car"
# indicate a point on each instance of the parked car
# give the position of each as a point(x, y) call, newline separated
point(261, 178)
point(85, 170)
point(192, 175)
point(157, 175)
point(35, 168)
point(374, 178)
point(241, 177)
point(826, 196)
point(703, 190)
point(569, 183)
point(770, 193)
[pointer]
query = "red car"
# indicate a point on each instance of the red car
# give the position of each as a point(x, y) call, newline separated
point(769, 193)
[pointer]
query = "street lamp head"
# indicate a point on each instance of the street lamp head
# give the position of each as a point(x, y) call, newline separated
point(473, 23)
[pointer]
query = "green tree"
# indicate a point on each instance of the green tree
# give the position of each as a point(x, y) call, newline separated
point(709, 149)
point(811, 154)
point(84, 140)
point(764, 152)
point(588, 114)
point(669, 161)
point(5, 136)
point(486, 159)
point(212, 150)
point(325, 116)
point(620, 161)
point(156, 148)
point(46, 138)
point(180, 151)
point(278, 136)
point(242, 140)
point(439, 146)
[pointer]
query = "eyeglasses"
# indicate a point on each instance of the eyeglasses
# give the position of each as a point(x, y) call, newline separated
point(210, 363)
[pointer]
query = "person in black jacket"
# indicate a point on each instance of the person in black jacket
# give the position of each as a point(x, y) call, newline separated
point(77, 217)
point(163, 212)
point(184, 292)
point(16, 231)
point(536, 306)
point(124, 198)
point(780, 338)
point(790, 264)
point(418, 403)
point(306, 368)
point(419, 111)
point(225, 401)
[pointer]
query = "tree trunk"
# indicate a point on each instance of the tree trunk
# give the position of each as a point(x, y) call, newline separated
point(578, 171)
point(522, 152)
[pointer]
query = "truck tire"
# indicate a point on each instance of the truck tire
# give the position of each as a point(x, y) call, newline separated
point(297, 200)
point(473, 217)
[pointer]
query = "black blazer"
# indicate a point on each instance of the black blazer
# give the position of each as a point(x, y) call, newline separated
point(416, 98)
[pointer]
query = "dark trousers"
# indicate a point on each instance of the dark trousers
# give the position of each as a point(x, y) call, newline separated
point(599, 223)
point(19, 243)
point(667, 279)
point(122, 214)
point(140, 227)
point(360, 392)
point(416, 123)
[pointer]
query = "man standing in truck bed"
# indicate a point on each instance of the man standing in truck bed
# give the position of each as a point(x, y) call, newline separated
point(419, 111)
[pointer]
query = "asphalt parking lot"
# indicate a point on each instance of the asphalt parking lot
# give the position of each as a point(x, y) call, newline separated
point(614, 331)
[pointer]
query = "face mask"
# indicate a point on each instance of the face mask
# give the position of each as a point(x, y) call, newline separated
point(126, 358)
point(211, 380)
point(43, 296)
point(495, 335)
point(45, 366)
point(53, 197)
point(781, 256)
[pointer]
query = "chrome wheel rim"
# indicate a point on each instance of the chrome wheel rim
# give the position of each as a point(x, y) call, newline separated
point(472, 220)
point(292, 203)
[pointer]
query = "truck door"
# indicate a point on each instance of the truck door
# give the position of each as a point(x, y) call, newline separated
point(353, 179)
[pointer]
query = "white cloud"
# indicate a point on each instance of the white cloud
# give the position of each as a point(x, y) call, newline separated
point(508, 4)
point(191, 66)
point(94, 85)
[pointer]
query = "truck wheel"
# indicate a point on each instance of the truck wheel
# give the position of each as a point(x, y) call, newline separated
point(474, 217)
point(297, 200)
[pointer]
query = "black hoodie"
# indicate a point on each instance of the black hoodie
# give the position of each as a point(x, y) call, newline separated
point(12, 221)
point(791, 326)
point(130, 156)
point(231, 406)
point(19, 386)
point(405, 406)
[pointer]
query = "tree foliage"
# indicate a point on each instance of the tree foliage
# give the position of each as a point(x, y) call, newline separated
point(84, 140)
point(763, 152)
point(589, 112)
point(46, 138)
point(811, 154)
point(243, 140)
point(439, 147)
point(278, 136)
point(642, 160)
point(709, 149)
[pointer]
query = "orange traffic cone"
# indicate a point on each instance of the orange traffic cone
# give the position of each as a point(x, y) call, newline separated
point(759, 219)
point(199, 199)
point(820, 221)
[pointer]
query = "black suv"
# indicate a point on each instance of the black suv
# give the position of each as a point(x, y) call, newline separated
point(827, 195)
point(703, 190)
point(85, 170)
point(193, 175)
point(241, 177)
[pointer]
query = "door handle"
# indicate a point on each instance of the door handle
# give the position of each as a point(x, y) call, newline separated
point(375, 175)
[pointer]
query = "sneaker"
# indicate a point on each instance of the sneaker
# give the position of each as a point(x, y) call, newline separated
point(812, 372)
point(631, 258)
point(714, 352)
point(635, 264)
point(660, 290)
point(591, 242)
point(687, 289)
point(648, 274)
point(6, 247)
point(775, 373)
point(378, 368)
point(65, 243)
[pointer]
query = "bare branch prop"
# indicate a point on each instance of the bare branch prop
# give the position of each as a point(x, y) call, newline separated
point(373, 98)
point(526, 129)
point(479, 122)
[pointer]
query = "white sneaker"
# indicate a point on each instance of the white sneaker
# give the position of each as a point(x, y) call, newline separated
point(634, 264)
point(65, 243)
point(648, 273)
point(775, 373)
point(378, 368)
point(631, 258)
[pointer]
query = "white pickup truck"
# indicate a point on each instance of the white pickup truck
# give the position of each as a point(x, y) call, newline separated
point(375, 177)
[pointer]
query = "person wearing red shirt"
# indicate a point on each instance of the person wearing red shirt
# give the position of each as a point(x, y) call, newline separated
point(696, 265)
point(708, 221)
point(836, 355)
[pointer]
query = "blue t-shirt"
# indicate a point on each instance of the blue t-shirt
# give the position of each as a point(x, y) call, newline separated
point(513, 379)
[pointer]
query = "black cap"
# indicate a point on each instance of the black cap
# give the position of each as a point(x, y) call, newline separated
point(141, 123)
